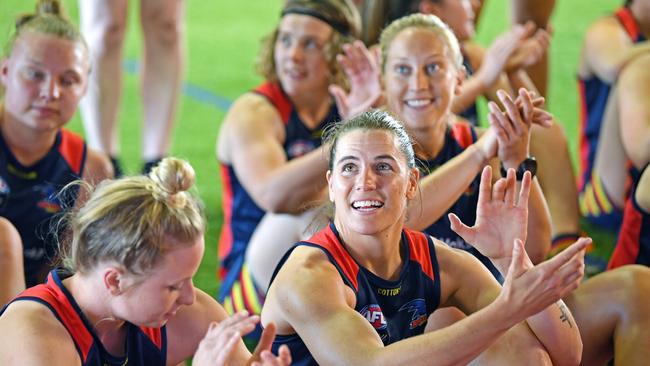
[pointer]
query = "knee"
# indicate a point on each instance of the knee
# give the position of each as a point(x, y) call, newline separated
point(634, 280)
point(107, 37)
point(11, 246)
point(161, 28)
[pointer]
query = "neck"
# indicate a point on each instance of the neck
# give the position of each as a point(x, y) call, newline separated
point(312, 107)
point(379, 252)
point(27, 145)
point(429, 141)
point(93, 300)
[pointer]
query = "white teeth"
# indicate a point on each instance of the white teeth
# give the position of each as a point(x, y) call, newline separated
point(367, 204)
point(418, 102)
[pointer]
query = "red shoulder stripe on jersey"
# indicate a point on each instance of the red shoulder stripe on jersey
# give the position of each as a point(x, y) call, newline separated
point(462, 133)
point(225, 239)
point(72, 148)
point(51, 294)
point(419, 248)
point(328, 240)
point(154, 334)
point(626, 18)
point(274, 93)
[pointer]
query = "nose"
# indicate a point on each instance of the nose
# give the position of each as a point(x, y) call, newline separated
point(50, 89)
point(367, 180)
point(295, 51)
point(187, 295)
point(419, 80)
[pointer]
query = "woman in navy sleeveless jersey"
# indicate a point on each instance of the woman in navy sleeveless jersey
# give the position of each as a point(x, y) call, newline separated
point(269, 142)
point(44, 74)
point(360, 291)
point(125, 295)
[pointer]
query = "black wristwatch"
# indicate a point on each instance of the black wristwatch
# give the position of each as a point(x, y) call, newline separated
point(529, 164)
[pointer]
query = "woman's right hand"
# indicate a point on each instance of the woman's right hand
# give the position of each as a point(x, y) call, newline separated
point(529, 289)
point(221, 339)
point(361, 67)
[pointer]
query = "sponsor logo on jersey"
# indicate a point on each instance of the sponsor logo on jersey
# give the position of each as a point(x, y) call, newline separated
point(50, 203)
point(389, 291)
point(20, 174)
point(375, 316)
point(418, 310)
point(4, 191)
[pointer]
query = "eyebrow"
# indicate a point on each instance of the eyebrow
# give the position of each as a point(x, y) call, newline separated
point(378, 157)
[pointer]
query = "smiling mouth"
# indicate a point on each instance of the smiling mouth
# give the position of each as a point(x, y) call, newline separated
point(367, 205)
point(418, 103)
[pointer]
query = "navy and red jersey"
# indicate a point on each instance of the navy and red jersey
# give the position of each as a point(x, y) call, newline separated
point(396, 309)
point(144, 346)
point(30, 200)
point(241, 213)
point(458, 137)
point(633, 245)
point(594, 94)
point(470, 113)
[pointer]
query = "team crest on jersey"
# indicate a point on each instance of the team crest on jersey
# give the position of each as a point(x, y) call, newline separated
point(50, 203)
point(299, 148)
point(418, 310)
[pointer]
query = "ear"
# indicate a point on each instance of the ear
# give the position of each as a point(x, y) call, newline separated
point(328, 175)
point(428, 7)
point(113, 280)
point(461, 74)
point(4, 71)
point(412, 189)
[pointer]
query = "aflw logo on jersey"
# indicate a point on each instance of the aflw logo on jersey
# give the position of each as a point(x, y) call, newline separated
point(374, 316)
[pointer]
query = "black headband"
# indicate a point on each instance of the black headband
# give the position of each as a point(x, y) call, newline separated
point(340, 27)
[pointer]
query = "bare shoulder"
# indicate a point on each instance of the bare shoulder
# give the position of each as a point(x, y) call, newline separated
point(98, 167)
point(250, 115)
point(605, 28)
point(306, 282)
point(33, 336)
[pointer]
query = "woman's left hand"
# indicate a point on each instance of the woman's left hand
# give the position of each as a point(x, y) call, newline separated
point(362, 70)
point(501, 216)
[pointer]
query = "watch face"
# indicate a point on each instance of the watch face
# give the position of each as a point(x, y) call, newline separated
point(530, 164)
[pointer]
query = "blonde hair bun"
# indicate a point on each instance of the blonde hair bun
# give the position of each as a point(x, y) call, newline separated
point(173, 176)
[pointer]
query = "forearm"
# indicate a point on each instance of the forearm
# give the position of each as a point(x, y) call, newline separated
point(440, 189)
point(471, 89)
point(557, 331)
point(292, 186)
point(520, 79)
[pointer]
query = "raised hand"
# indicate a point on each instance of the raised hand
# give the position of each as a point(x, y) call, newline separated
point(529, 289)
point(501, 217)
point(530, 51)
point(497, 55)
point(362, 70)
point(512, 127)
point(218, 345)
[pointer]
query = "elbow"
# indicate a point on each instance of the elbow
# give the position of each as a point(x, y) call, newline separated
point(570, 356)
point(275, 202)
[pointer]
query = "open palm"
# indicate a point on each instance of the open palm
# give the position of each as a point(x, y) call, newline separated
point(500, 216)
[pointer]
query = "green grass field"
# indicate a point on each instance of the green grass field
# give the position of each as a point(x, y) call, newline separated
point(222, 41)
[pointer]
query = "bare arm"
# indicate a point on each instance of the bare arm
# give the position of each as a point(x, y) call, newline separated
point(608, 49)
point(251, 140)
point(634, 122)
point(642, 193)
point(32, 336)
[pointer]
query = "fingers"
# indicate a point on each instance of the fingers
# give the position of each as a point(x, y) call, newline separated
point(527, 105)
point(514, 116)
point(485, 187)
point(341, 100)
point(266, 340)
point(460, 228)
point(524, 192)
point(517, 267)
point(504, 128)
point(566, 255)
point(510, 188)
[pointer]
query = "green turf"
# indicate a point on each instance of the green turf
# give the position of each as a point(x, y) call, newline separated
point(222, 41)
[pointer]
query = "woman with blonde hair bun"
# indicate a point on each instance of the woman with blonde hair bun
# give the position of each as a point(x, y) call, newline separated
point(126, 292)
